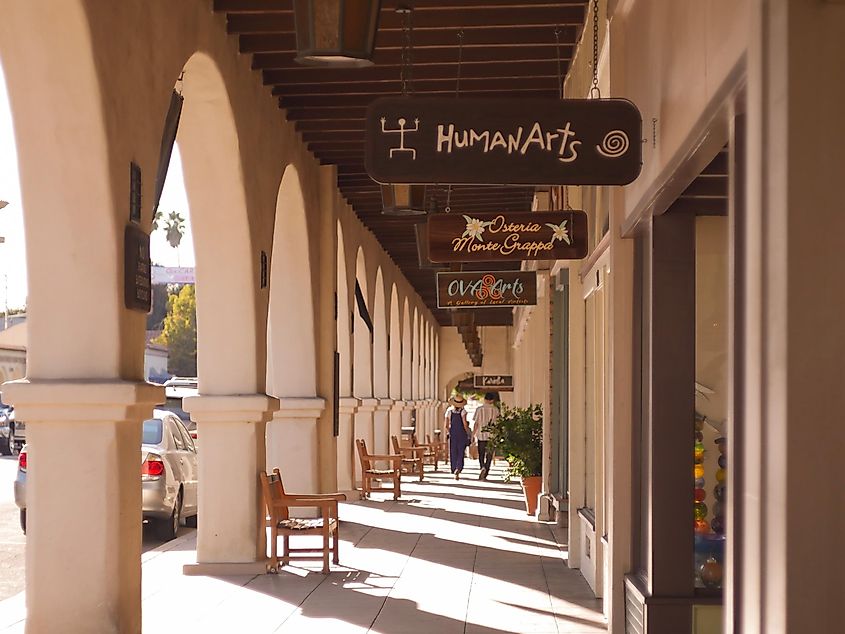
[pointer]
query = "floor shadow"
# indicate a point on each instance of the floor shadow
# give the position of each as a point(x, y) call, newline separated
point(596, 622)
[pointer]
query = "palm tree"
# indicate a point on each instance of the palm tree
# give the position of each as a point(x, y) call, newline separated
point(174, 228)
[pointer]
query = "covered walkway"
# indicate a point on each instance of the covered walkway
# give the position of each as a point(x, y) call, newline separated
point(448, 557)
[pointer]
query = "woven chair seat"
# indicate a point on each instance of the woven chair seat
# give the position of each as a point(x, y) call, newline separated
point(380, 471)
point(298, 524)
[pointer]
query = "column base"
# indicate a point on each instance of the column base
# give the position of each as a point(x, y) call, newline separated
point(223, 569)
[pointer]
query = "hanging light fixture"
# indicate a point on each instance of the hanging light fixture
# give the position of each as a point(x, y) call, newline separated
point(399, 199)
point(337, 33)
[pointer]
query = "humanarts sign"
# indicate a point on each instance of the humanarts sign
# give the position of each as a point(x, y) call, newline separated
point(483, 289)
point(503, 141)
point(547, 235)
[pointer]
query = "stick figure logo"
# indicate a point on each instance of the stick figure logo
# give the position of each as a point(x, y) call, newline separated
point(401, 131)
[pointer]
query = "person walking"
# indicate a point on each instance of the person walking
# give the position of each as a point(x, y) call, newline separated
point(459, 433)
point(484, 415)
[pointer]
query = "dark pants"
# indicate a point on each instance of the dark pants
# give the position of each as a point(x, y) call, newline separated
point(485, 458)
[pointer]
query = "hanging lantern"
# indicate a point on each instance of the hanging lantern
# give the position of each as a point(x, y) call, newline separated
point(403, 200)
point(336, 32)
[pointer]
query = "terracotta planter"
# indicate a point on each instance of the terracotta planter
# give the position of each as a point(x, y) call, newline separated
point(531, 486)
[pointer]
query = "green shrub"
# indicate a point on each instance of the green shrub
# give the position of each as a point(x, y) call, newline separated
point(518, 436)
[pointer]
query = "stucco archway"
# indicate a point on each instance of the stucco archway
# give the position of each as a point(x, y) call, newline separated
point(227, 332)
point(381, 372)
point(345, 443)
point(291, 346)
point(362, 351)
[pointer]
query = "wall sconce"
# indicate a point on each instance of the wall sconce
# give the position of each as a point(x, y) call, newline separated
point(337, 33)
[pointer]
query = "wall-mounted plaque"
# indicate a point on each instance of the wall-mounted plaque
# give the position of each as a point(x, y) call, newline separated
point(503, 141)
point(547, 235)
point(496, 382)
point(483, 289)
point(137, 268)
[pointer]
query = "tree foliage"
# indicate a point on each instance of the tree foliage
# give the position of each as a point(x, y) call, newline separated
point(180, 332)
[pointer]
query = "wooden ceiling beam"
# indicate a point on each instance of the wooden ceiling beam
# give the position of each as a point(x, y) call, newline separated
point(354, 100)
point(495, 37)
point(421, 86)
point(467, 18)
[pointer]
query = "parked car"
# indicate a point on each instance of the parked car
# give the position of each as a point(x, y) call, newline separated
point(168, 475)
point(12, 431)
point(175, 389)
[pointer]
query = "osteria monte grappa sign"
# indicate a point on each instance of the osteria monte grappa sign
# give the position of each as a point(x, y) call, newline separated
point(503, 141)
point(491, 237)
point(486, 289)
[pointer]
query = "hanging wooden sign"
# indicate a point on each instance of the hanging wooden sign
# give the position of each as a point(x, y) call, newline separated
point(499, 382)
point(484, 289)
point(137, 269)
point(547, 235)
point(503, 141)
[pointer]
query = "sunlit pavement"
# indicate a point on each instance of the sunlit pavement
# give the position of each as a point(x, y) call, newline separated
point(448, 557)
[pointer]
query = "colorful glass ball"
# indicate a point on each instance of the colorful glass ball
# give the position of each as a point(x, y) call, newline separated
point(699, 483)
point(699, 437)
point(723, 461)
point(699, 452)
point(699, 425)
point(702, 527)
point(700, 495)
point(720, 475)
point(718, 525)
point(718, 509)
point(698, 471)
point(700, 510)
point(719, 492)
point(722, 444)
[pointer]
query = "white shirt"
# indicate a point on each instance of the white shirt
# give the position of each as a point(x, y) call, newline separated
point(484, 415)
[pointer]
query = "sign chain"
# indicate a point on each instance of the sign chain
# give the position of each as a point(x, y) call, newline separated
point(595, 92)
point(559, 73)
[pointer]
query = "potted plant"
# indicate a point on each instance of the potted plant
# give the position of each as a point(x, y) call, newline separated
point(518, 436)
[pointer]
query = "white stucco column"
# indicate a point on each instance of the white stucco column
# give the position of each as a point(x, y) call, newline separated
point(381, 426)
point(363, 428)
point(395, 420)
point(292, 443)
point(231, 535)
point(406, 413)
point(347, 457)
point(83, 569)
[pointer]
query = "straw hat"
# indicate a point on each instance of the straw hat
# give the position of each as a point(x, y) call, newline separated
point(457, 400)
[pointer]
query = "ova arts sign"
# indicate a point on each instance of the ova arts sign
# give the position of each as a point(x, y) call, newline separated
point(503, 141)
point(491, 237)
point(485, 289)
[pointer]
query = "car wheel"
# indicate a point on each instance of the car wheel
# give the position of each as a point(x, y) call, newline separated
point(6, 446)
point(23, 520)
point(169, 528)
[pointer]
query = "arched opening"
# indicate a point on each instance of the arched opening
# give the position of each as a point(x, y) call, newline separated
point(415, 356)
point(227, 329)
point(345, 442)
point(407, 391)
point(381, 376)
point(395, 353)
point(362, 350)
point(291, 346)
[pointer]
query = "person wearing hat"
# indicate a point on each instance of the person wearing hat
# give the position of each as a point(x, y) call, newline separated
point(484, 415)
point(459, 434)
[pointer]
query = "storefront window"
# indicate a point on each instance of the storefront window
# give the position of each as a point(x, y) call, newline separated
point(708, 441)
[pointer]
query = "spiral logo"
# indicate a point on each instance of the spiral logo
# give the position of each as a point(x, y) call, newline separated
point(614, 144)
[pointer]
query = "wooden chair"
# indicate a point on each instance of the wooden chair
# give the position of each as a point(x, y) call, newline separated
point(370, 472)
point(440, 448)
point(279, 503)
point(412, 457)
point(429, 454)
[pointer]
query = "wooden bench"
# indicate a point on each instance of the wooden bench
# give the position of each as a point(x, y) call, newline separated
point(370, 470)
point(412, 457)
point(279, 503)
point(429, 454)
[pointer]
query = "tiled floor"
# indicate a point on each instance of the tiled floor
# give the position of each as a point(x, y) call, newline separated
point(450, 556)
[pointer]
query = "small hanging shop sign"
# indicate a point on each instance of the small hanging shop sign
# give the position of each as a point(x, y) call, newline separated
point(546, 235)
point(485, 289)
point(500, 382)
point(137, 268)
point(503, 141)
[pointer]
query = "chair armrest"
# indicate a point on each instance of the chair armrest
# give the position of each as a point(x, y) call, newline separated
point(340, 497)
point(304, 502)
point(392, 457)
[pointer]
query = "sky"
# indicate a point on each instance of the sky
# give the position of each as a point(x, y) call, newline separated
point(13, 251)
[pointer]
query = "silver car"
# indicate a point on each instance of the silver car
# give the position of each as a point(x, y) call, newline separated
point(168, 475)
